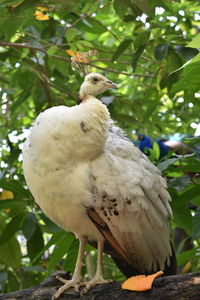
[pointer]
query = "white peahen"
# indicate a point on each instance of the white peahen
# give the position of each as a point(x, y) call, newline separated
point(91, 180)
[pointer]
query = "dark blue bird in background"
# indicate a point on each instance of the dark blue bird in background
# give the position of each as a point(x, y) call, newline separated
point(145, 144)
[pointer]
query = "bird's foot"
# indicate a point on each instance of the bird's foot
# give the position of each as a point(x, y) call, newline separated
point(89, 284)
point(77, 283)
point(74, 282)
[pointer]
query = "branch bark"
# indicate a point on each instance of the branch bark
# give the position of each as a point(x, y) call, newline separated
point(176, 287)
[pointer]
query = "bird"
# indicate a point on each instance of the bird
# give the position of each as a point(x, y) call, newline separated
point(89, 178)
point(146, 144)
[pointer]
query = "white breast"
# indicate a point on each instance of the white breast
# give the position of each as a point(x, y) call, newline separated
point(56, 159)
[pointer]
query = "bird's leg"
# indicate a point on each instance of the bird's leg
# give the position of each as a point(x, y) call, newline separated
point(98, 278)
point(76, 278)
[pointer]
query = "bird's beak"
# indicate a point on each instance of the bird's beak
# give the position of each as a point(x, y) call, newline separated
point(111, 84)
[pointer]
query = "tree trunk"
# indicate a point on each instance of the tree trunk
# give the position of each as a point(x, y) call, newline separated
point(176, 287)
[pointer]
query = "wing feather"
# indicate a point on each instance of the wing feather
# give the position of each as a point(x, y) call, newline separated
point(131, 198)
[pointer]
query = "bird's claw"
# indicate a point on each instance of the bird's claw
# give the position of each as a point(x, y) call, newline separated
point(77, 287)
point(93, 282)
point(76, 283)
point(61, 279)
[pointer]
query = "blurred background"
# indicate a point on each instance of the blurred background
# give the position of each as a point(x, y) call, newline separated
point(151, 49)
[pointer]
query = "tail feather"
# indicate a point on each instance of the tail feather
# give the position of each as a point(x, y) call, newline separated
point(129, 270)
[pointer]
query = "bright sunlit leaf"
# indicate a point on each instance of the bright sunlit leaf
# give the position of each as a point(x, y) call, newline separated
point(70, 52)
point(39, 15)
point(78, 56)
point(42, 8)
point(6, 195)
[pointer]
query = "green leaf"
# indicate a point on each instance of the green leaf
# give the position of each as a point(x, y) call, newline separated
point(97, 25)
point(83, 45)
point(184, 257)
point(145, 6)
point(60, 250)
point(52, 50)
point(165, 164)
point(13, 226)
point(13, 282)
point(155, 152)
point(50, 226)
point(196, 225)
point(121, 7)
point(191, 192)
point(136, 56)
point(141, 39)
point(29, 225)
point(71, 258)
point(57, 64)
point(192, 141)
point(14, 24)
point(173, 61)
point(121, 48)
point(10, 2)
point(190, 76)
point(195, 59)
point(182, 214)
point(31, 276)
point(186, 52)
point(195, 43)
point(35, 243)
point(151, 108)
point(191, 167)
point(14, 186)
point(4, 15)
point(171, 80)
point(10, 204)
point(3, 278)
point(57, 236)
point(93, 26)
point(161, 51)
point(124, 118)
point(10, 253)
point(71, 34)
point(16, 104)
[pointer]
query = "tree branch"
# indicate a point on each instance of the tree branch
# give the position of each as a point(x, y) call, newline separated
point(176, 287)
point(24, 45)
point(21, 45)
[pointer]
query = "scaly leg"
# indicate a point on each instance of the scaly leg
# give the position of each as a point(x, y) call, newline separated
point(76, 278)
point(98, 278)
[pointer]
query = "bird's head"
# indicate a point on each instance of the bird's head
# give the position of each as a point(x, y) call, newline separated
point(94, 84)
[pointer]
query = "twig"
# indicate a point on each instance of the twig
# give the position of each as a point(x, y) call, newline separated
point(113, 34)
point(21, 45)
point(118, 72)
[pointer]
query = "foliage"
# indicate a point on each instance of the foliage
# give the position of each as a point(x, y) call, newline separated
point(150, 48)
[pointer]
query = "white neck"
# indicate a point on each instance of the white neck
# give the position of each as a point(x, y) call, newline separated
point(86, 90)
point(84, 96)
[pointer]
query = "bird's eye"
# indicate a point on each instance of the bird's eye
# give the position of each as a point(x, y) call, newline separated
point(95, 79)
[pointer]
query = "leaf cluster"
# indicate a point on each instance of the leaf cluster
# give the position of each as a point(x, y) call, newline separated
point(151, 49)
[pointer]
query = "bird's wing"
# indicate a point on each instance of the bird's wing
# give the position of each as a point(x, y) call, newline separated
point(130, 199)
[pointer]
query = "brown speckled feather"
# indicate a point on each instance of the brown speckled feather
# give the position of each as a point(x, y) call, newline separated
point(107, 234)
